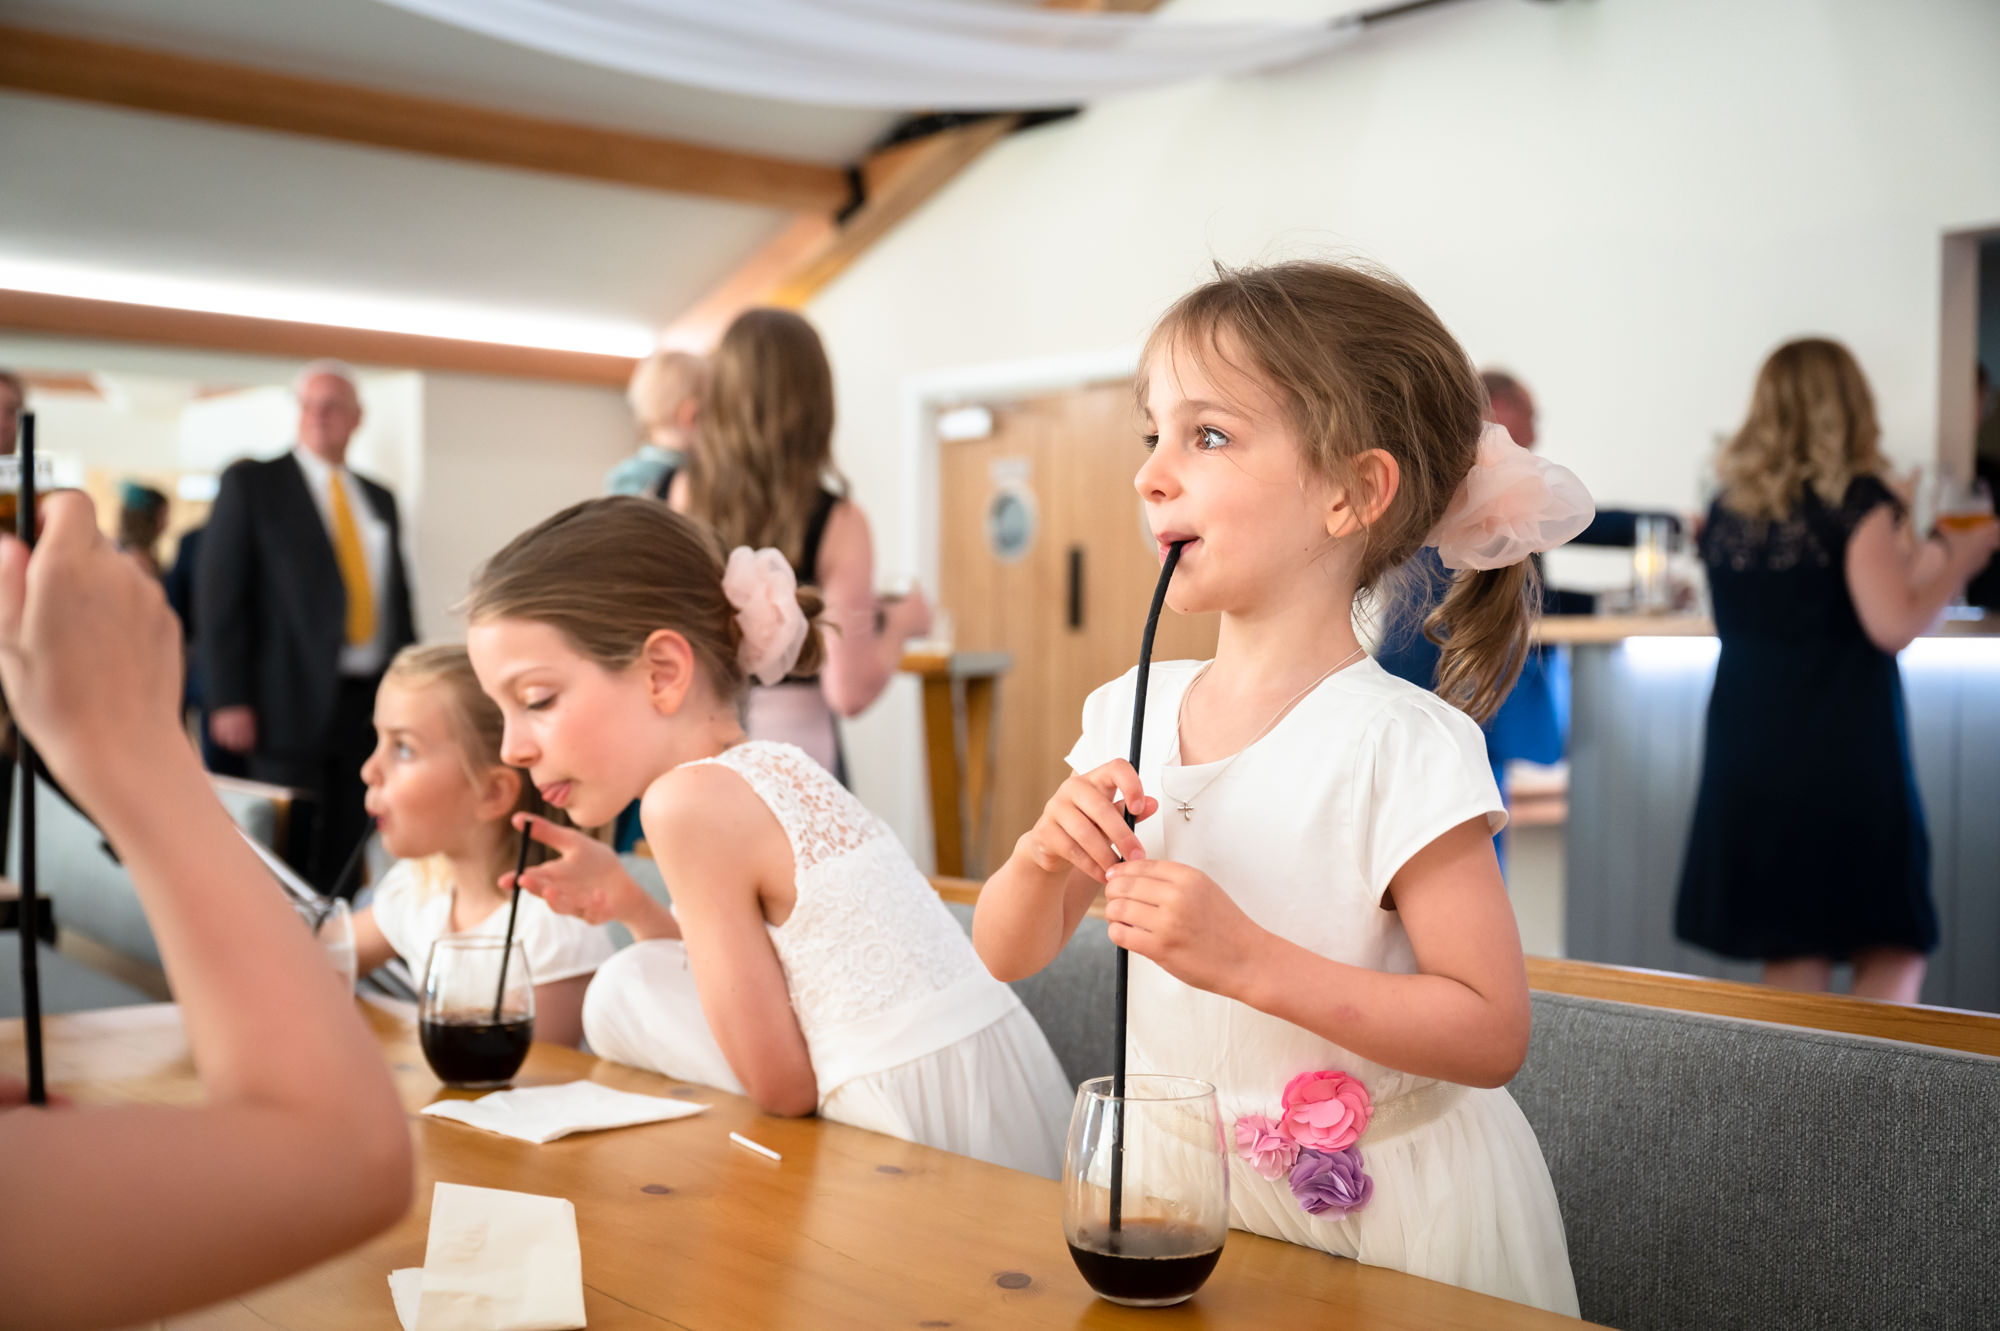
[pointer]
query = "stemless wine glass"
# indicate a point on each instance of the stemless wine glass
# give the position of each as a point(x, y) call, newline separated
point(335, 931)
point(476, 1023)
point(1167, 1233)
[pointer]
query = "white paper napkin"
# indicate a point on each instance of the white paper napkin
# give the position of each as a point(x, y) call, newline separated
point(495, 1261)
point(544, 1113)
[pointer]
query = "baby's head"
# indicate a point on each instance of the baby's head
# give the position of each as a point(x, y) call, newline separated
point(436, 782)
point(606, 638)
point(665, 394)
point(1319, 416)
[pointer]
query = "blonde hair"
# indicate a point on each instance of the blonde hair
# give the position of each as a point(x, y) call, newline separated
point(607, 573)
point(765, 444)
point(661, 382)
point(1360, 362)
point(1811, 425)
point(476, 727)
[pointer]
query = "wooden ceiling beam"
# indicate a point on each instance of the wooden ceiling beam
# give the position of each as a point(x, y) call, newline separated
point(71, 316)
point(147, 80)
point(806, 258)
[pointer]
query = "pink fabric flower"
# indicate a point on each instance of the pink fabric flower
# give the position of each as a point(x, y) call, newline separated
point(1510, 505)
point(1270, 1152)
point(1326, 1111)
point(762, 587)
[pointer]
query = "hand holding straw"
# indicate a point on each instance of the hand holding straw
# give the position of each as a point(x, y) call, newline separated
point(1124, 957)
point(30, 905)
point(513, 909)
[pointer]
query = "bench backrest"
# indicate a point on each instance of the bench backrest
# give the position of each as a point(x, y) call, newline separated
point(1715, 1172)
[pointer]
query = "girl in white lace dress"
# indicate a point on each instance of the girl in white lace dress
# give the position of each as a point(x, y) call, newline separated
point(806, 962)
point(1317, 920)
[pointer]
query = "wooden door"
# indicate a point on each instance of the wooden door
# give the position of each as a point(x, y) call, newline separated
point(1046, 556)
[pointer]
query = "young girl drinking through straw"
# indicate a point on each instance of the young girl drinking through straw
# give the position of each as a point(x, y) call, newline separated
point(442, 802)
point(618, 644)
point(1317, 922)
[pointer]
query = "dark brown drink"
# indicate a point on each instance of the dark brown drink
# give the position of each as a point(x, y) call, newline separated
point(475, 1051)
point(1148, 1263)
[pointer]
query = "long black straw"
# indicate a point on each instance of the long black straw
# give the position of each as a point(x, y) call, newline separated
point(1124, 957)
point(30, 907)
point(513, 909)
point(346, 874)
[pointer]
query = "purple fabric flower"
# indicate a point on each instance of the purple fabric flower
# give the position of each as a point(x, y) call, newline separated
point(1330, 1183)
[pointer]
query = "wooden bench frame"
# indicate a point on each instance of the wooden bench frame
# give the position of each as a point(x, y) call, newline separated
point(1940, 1028)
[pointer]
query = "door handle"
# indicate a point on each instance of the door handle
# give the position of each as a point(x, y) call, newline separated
point(1075, 587)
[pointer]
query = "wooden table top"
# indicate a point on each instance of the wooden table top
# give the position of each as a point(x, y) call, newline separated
point(681, 1228)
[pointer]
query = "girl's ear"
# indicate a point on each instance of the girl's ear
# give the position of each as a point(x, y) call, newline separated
point(666, 662)
point(1373, 478)
point(499, 791)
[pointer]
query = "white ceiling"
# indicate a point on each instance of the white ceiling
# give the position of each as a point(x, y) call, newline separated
point(152, 196)
point(362, 41)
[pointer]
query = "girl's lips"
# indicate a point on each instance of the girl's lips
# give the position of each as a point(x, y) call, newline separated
point(557, 795)
point(1168, 540)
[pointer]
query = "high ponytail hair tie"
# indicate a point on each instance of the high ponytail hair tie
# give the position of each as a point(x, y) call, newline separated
point(1511, 504)
point(765, 592)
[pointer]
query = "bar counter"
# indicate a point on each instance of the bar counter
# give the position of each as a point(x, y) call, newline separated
point(1639, 698)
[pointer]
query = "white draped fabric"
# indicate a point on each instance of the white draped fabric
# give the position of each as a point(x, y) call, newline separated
point(893, 54)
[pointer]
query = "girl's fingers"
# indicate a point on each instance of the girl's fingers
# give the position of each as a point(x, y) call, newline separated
point(1088, 838)
point(556, 838)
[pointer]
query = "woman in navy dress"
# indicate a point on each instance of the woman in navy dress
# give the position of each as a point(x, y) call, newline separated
point(1808, 845)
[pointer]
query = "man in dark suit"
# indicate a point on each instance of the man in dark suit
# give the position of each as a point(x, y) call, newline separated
point(304, 599)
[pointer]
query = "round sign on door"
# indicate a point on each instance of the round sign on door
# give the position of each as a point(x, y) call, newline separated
point(1012, 519)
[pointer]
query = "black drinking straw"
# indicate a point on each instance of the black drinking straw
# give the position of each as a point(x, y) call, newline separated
point(339, 888)
point(513, 908)
point(29, 919)
point(1124, 957)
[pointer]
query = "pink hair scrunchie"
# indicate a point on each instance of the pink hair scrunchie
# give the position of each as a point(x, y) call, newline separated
point(1511, 504)
point(762, 587)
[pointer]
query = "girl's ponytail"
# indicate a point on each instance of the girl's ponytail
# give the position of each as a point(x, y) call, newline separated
point(1483, 629)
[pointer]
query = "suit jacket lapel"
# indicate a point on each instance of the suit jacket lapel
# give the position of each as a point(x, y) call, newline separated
point(300, 514)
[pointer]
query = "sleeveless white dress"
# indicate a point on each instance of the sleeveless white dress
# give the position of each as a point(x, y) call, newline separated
point(1305, 830)
point(909, 1035)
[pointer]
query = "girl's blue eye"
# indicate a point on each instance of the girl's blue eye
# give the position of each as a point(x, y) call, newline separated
point(404, 753)
point(1209, 438)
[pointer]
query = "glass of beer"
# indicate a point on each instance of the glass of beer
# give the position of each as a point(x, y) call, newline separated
point(476, 1021)
point(1963, 507)
point(1160, 1146)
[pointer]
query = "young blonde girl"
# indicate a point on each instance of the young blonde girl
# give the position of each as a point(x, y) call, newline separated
point(442, 801)
point(1317, 921)
point(811, 965)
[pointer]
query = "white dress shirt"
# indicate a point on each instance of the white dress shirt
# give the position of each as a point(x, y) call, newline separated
point(367, 658)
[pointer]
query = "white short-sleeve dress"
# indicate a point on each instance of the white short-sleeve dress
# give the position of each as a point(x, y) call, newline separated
point(1304, 830)
point(412, 906)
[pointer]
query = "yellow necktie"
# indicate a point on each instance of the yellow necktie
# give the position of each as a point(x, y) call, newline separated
point(353, 563)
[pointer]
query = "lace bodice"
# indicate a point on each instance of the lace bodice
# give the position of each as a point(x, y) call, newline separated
point(867, 933)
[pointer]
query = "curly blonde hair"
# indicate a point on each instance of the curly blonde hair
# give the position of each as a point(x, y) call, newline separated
point(1811, 425)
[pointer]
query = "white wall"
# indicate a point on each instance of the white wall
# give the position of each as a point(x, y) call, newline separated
point(1628, 202)
point(499, 456)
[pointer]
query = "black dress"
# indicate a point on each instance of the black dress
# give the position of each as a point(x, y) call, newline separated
point(1808, 835)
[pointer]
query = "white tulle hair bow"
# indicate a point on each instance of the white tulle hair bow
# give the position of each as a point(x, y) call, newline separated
point(765, 592)
point(1511, 504)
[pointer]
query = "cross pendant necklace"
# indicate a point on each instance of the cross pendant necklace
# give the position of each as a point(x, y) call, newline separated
point(1185, 807)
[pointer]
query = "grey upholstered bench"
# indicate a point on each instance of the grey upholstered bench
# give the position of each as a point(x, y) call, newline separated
point(1716, 1173)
